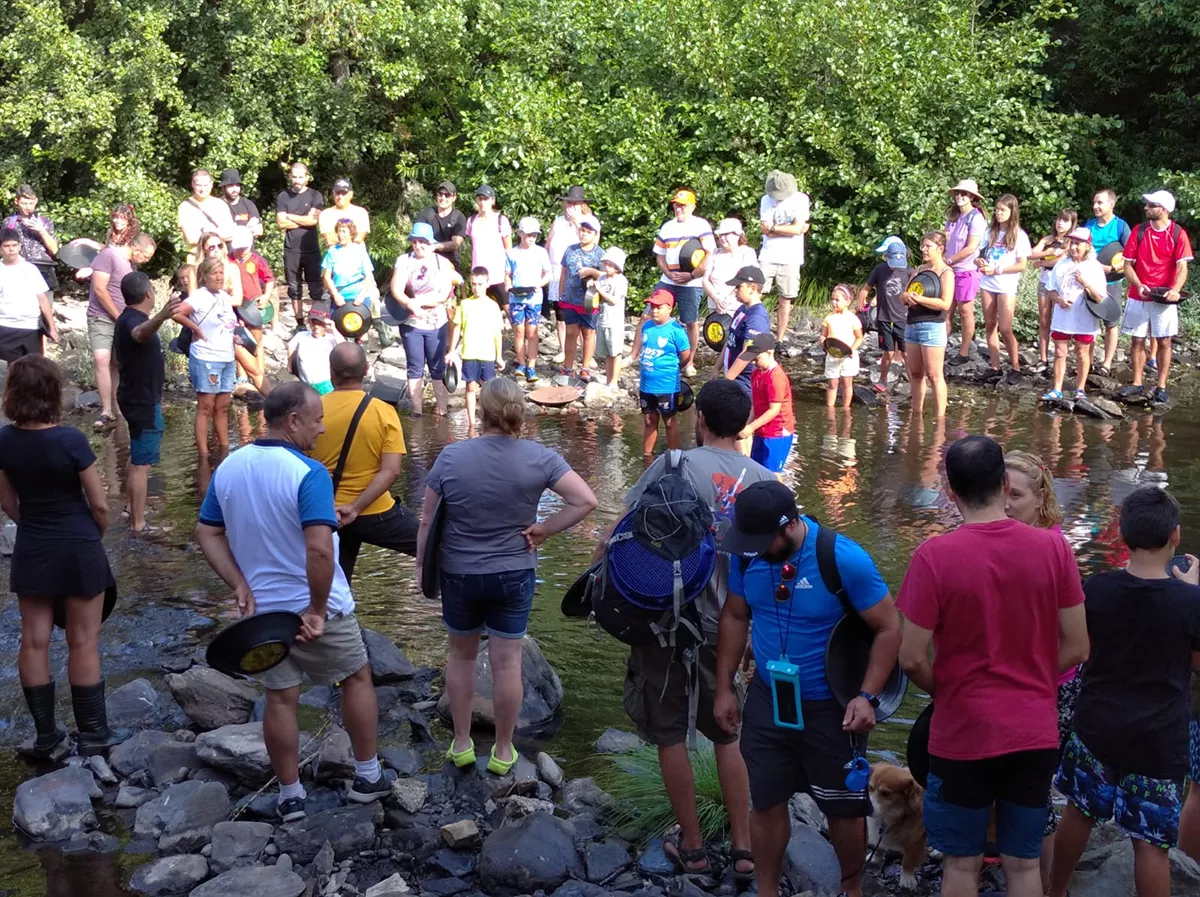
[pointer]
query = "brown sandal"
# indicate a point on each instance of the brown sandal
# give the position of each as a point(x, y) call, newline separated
point(683, 859)
point(741, 855)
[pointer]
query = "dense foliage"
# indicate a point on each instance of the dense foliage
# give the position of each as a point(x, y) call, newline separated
point(875, 110)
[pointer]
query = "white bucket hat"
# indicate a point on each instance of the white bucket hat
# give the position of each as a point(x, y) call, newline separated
point(616, 256)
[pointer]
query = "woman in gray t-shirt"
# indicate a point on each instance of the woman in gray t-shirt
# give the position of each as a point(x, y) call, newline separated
point(490, 488)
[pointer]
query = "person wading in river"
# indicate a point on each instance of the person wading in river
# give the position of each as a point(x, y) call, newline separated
point(268, 527)
point(366, 510)
point(657, 685)
point(1005, 602)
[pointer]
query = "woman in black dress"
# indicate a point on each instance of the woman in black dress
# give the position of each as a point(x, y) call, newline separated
point(50, 486)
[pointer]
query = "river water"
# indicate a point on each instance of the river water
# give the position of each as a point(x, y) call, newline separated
point(875, 475)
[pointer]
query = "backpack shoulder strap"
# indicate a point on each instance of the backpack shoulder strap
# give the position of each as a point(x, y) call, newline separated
point(1174, 230)
point(827, 565)
point(674, 460)
point(345, 453)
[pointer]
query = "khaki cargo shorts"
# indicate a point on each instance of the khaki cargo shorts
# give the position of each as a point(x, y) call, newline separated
point(656, 696)
point(336, 656)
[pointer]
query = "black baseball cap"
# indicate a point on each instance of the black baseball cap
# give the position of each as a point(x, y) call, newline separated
point(342, 185)
point(486, 190)
point(447, 187)
point(748, 274)
point(757, 344)
point(759, 511)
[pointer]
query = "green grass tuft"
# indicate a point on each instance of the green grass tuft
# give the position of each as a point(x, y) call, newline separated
point(640, 802)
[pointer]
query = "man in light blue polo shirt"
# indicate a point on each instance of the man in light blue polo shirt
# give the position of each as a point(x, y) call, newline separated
point(268, 528)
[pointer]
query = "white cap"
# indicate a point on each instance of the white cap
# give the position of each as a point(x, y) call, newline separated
point(1162, 198)
point(616, 255)
point(243, 238)
point(529, 225)
point(729, 226)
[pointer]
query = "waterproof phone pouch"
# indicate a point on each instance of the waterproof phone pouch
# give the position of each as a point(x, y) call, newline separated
point(785, 694)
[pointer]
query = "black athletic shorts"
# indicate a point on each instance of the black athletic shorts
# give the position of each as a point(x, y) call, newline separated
point(891, 336)
point(17, 343)
point(664, 406)
point(783, 762)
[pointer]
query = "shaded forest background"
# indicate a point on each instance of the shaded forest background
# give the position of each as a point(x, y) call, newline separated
point(875, 107)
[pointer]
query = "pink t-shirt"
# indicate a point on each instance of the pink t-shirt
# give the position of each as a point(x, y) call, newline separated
point(991, 593)
point(487, 244)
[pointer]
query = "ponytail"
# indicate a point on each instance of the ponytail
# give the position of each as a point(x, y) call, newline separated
point(502, 406)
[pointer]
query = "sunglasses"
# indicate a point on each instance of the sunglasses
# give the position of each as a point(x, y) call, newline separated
point(784, 591)
point(444, 193)
point(1153, 205)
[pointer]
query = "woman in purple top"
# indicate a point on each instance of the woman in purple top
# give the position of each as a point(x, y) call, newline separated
point(966, 226)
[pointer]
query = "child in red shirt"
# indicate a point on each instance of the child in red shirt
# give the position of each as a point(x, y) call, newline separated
point(772, 422)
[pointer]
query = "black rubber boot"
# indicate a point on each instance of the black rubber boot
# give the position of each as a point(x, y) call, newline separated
point(385, 334)
point(51, 741)
point(91, 716)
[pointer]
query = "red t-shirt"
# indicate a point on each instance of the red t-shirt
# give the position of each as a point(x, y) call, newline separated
point(773, 386)
point(256, 275)
point(1161, 250)
point(991, 593)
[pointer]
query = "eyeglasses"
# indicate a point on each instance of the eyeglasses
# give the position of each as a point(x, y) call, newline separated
point(784, 591)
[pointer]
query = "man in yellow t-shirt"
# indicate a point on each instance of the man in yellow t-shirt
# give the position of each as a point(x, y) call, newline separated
point(366, 511)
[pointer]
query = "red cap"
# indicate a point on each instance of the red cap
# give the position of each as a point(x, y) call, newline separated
point(662, 297)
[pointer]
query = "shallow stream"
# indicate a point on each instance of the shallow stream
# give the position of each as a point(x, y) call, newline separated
point(874, 475)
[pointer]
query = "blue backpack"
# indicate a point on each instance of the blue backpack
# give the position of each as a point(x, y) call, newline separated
point(660, 559)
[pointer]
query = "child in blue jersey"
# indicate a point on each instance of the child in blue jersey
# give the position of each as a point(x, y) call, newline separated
point(662, 348)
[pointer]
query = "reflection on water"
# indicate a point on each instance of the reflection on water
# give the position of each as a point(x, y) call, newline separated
point(875, 474)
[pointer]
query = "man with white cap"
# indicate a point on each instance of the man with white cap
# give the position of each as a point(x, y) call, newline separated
point(889, 279)
point(528, 275)
point(783, 218)
point(1156, 264)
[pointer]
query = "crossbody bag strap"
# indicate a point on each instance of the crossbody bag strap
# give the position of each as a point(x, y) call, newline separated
point(341, 463)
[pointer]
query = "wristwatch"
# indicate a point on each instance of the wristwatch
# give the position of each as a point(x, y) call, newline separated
point(871, 699)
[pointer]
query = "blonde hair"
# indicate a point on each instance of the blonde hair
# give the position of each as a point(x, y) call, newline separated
point(502, 406)
point(1048, 511)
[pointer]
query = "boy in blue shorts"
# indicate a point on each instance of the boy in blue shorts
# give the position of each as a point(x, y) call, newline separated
point(662, 348)
point(528, 275)
point(1127, 758)
point(475, 338)
point(772, 424)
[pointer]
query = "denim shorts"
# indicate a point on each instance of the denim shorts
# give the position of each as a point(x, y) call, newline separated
point(960, 795)
point(926, 333)
point(585, 319)
point(212, 377)
point(424, 347)
point(474, 371)
point(1147, 809)
point(687, 300)
point(525, 314)
point(498, 601)
point(144, 448)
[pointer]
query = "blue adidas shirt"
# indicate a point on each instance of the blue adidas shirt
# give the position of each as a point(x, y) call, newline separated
point(264, 496)
point(814, 609)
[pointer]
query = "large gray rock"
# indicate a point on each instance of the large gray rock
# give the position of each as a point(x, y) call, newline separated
point(811, 862)
point(534, 853)
point(1106, 869)
point(57, 805)
point(605, 859)
point(211, 699)
point(170, 875)
point(158, 753)
point(181, 808)
point(543, 691)
point(347, 829)
point(238, 844)
point(258, 881)
point(388, 662)
point(134, 705)
point(239, 751)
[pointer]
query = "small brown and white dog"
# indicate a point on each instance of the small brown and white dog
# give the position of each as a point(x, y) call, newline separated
point(897, 825)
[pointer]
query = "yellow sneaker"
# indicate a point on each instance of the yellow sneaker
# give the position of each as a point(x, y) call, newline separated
point(502, 767)
point(461, 758)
